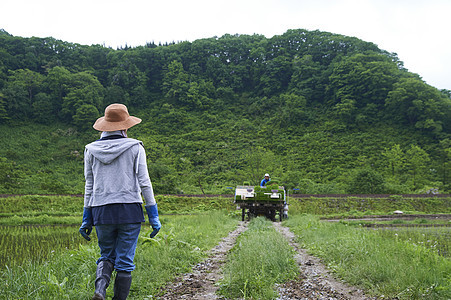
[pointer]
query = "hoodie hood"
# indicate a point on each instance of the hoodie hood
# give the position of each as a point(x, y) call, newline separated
point(107, 151)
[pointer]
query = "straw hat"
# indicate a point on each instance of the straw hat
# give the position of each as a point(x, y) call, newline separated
point(116, 118)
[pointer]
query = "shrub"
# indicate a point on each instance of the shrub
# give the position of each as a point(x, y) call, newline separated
point(366, 181)
point(10, 175)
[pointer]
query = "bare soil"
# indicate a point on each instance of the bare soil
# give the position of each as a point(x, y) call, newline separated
point(200, 283)
point(314, 281)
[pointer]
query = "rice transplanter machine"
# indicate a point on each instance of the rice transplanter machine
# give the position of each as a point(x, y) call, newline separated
point(262, 201)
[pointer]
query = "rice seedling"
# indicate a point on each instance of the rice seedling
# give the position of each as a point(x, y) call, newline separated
point(19, 244)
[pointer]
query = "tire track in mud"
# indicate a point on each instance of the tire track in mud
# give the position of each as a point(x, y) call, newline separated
point(315, 281)
point(200, 283)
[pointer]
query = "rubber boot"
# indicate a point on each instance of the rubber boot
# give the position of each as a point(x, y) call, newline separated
point(122, 285)
point(103, 276)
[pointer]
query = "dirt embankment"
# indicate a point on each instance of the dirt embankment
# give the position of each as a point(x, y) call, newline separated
point(370, 221)
point(314, 281)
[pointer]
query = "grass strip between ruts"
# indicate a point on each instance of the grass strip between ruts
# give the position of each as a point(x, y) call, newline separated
point(260, 259)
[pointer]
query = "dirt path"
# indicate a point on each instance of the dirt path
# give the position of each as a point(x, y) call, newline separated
point(200, 283)
point(315, 281)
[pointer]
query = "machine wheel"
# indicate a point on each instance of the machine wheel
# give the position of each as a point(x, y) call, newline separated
point(280, 215)
point(243, 214)
point(251, 213)
point(271, 214)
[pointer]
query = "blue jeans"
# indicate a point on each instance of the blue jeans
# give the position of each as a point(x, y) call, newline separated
point(117, 244)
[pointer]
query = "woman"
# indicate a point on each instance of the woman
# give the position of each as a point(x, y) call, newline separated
point(116, 175)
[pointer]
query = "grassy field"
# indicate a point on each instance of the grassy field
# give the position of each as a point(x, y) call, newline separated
point(363, 206)
point(69, 274)
point(436, 240)
point(381, 262)
point(68, 210)
point(41, 259)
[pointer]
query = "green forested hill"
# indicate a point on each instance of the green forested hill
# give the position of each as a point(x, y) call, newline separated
point(321, 112)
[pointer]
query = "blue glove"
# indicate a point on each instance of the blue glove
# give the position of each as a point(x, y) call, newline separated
point(152, 212)
point(86, 225)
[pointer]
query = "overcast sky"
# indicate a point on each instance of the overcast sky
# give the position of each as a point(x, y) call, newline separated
point(417, 30)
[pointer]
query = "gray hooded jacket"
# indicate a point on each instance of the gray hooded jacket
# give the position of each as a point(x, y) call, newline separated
point(116, 172)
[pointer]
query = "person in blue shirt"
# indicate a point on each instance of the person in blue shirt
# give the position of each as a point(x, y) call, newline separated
point(265, 180)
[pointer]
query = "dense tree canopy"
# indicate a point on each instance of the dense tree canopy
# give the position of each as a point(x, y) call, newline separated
point(312, 107)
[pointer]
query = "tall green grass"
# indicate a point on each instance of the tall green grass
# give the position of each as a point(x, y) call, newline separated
point(182, 242)
point(436, 239)
point(260, 259)
point(381, 265)
point(68, 275)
